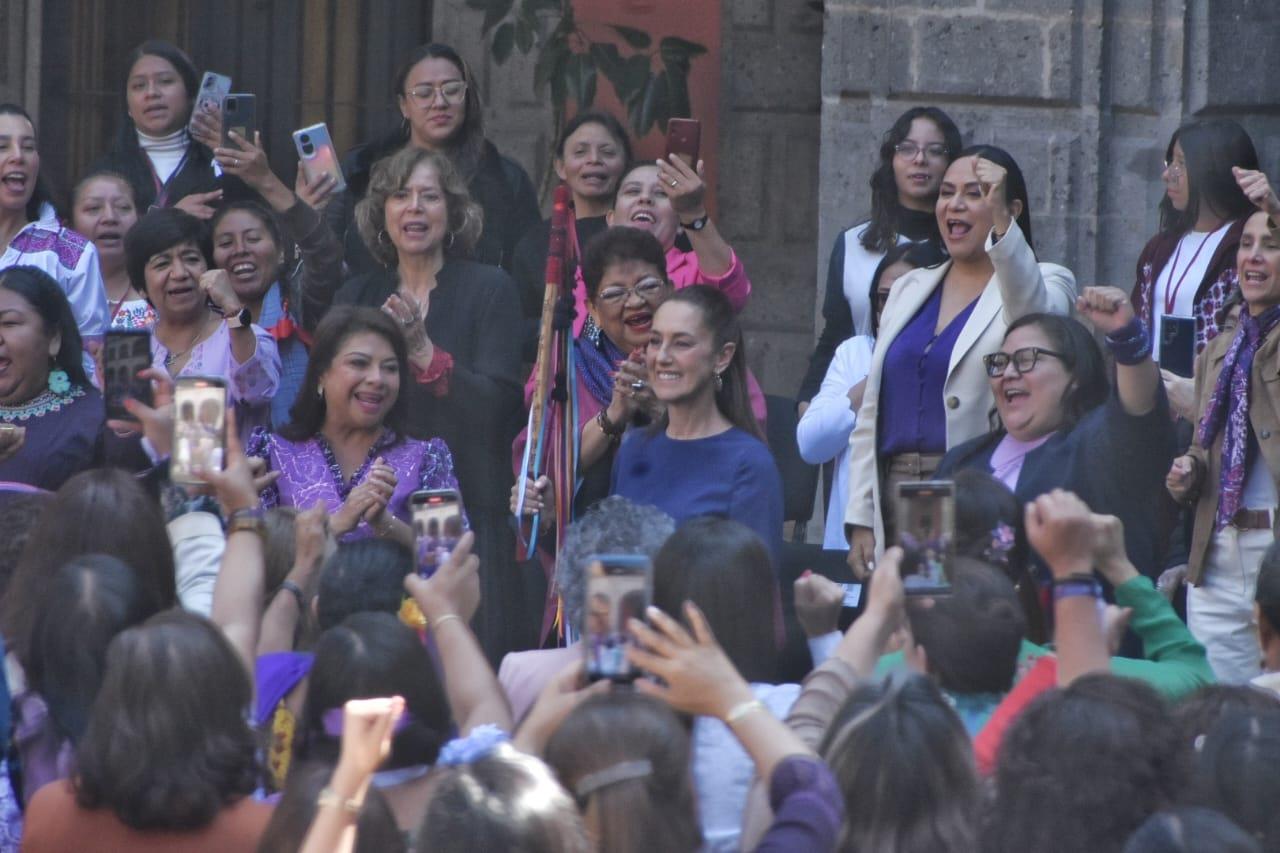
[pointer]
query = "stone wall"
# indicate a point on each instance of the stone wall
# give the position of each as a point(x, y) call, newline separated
point(769, 116)
point(1084, 93)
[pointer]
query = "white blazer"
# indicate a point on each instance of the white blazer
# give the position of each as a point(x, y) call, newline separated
point(1020, 286)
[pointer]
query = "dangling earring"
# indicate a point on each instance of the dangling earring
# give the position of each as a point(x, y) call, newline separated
point(448, 240)
point(59, 381)
point(320, 393)
point(719, 383)
point(591, 331)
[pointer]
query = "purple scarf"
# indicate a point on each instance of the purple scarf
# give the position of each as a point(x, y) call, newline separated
point(1229, 405)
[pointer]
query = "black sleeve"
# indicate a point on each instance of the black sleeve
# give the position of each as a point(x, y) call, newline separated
point(528, 268)
point(489, 392)
point(837, 324)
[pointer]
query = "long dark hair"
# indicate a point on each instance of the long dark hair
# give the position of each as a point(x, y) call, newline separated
point(1211, 147)
point(467, 145)
point(886, 212)
point(42, 195)
point(168, 745)
point(1080, 355)
point(734, 398)
point(340, 323)
point(924, 253)
point(44, 294)
point(1015, 185)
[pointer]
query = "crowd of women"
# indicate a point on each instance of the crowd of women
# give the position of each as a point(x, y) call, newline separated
point(262, 661)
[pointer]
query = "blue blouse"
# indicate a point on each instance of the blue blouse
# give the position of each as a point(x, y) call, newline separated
point(912, 417)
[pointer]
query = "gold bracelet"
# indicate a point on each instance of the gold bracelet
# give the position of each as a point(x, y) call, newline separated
point(743, 709)
point(440, 620)
point(330, 797)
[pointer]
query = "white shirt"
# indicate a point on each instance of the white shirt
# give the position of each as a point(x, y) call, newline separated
point(164, 152)
point(1183, 274)
point(824, 429)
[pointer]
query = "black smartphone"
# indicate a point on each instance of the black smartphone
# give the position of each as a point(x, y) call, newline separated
point(1178, 345)
point(239, 113)
point(199, 427)
point(684, 137)
point(619, 588)
point(125, 353)
point(926, 522)
point(437, 526)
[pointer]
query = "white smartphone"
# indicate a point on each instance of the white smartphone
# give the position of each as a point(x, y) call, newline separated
point(317, 155)
point(213, 88)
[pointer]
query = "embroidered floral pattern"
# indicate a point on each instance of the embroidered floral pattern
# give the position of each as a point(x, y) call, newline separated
point(43, 404)
point(67, 245)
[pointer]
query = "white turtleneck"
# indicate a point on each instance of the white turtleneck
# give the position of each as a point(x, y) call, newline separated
point(165, 152)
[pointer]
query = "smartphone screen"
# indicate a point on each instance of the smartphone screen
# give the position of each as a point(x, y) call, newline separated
point(684, 137)
point(199, 426)
point(213, 88)
point(437, 526)
point(926, 521)
point(125, 353)
point(1178, 344)
point(317, 155)
point(239, 113)
point(619, 588)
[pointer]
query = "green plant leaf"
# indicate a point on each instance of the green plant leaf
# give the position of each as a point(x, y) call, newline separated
point(495, 11)
point(638, 39)
point(550, 64)
point(677, 94)
point(634, 77)
point(677, 51)
point(580, 72)
point(524, 35)
point(504, 39)
point(607, 59)
point(654, 104)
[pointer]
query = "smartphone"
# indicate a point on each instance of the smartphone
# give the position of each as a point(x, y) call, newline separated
point(1178, 344)
point(437, 526)
point(926, 522)
point(239, 113)
point(213, 88)
point(125, 352)
point(199, 427)
point(684, 137)
point(317, 155)
point(619, 588)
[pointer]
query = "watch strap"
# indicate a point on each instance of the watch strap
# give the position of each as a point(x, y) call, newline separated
point(697, 224)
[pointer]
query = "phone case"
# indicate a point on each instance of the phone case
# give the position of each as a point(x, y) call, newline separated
point(213, 88)
point(239, 113)
point(124, 354)
point(925, 519)
point(199, 427)
point(317, 155)
point(619, 588)
point(1178, 345)
point(684, 137)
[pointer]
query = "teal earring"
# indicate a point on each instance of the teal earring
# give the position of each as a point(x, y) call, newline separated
point(59, 381)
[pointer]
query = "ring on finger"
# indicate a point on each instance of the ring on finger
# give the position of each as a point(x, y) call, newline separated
point(674, 182)
point(638, 385)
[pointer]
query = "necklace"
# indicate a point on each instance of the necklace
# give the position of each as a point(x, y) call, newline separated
point(172, 357)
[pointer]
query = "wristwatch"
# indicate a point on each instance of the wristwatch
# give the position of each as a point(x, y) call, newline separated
point(697, 224)
point(238, 319)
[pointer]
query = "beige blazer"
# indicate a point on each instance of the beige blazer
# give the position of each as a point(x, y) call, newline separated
point(1020, 286)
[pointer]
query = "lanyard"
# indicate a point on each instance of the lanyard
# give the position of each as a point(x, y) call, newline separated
point(1171, 293)
point(162, 191)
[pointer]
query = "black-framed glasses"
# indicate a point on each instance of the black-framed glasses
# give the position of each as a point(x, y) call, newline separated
point(910, 150)
point(1024, 360)
point(648, 288)
point(425, 95)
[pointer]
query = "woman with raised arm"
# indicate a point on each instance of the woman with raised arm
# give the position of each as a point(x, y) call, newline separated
point(927, 389)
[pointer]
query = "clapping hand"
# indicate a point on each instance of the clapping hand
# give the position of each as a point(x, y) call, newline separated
point(368, 501)
point(410, 314)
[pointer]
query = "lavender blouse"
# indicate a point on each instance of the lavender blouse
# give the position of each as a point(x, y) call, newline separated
point(310, 472)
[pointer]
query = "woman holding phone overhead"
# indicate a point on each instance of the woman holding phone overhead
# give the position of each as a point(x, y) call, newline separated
point(439, 100)
point(927, 389)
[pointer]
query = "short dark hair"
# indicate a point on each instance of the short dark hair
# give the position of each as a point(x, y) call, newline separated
point(606, 120)
point(340, 323)
point(733, 399)
point(722, 566)
point(655, 811)
point(972, 636)
point(376, 830)
point(1211, 148)
point(886, 213)
point(1080, 355)
point(367, 656)
point(1196, 714)
point(470, 808)
point(89, 601)
point(42, 194)
point(39, 290)
point(364, 576)
point(1235, 772)
point(617, 245)
point(905, 767)
point(1190, 829)
point(159, 230)
point(168, 745)
point(100, 511)
point(1015, 185)
point(1109, 741)
point(1267, 594)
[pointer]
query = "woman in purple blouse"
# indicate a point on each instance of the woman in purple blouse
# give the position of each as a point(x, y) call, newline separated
point(344, 445)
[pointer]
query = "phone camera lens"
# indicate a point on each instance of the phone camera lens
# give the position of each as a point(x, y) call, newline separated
point(308, 149)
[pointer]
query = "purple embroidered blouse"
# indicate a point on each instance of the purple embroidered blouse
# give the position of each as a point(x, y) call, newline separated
point(309, 472)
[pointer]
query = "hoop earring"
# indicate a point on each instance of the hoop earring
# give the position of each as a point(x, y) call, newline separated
point(449, 240)
point(383, 238)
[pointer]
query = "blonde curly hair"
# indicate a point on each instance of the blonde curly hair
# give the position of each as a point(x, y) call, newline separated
point(390, 174)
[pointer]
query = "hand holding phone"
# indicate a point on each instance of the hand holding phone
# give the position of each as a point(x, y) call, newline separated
point(926, 523)
point(206, 112)
point(125, 354)
point(318, 158)
point(239, 114)
point(619, 589)
point(199, 427)
point(684, 137)
point(437, 526)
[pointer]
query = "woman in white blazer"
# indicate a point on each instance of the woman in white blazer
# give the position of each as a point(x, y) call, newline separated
point(935, 328)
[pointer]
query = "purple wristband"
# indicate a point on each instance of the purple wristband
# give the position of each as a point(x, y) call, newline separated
point(1130, 344)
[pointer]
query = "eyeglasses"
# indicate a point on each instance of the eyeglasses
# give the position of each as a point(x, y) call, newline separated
point(425, 95)
point(911, 150)
point(1175, 170)
point(648, 289)
point(1024, 360)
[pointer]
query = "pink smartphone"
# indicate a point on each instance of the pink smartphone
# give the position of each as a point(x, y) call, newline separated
point(317, 155)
